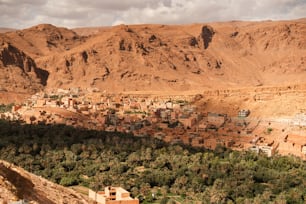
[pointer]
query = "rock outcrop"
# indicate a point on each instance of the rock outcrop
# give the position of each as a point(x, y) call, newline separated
point(19, 71)
point(155, 57)
point(207, 35)
point(10, 55)
point(17, 184)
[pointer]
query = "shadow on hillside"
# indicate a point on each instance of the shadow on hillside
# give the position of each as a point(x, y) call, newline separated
point(43, 75)
point(24, 187)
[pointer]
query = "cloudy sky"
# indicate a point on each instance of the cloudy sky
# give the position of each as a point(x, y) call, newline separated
point(81, 13)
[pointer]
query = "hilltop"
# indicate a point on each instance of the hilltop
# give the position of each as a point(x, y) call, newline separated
point(164, 58)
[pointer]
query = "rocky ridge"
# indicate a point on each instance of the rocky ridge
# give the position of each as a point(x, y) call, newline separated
point(169, 58)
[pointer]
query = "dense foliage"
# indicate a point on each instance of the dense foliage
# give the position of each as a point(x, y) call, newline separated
point(6, 108)
point(144, 166)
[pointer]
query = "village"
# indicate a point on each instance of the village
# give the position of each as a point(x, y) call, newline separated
point(173, 119)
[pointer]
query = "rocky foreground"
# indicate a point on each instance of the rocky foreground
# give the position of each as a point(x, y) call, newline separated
point(17, 184)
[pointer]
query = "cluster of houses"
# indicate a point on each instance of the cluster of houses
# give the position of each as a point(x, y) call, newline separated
point(112, 195)
point(173, 119)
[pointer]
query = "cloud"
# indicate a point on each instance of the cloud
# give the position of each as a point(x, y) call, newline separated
point(80, 13)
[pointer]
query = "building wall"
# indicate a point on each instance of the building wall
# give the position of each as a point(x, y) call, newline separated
point(304, 149)
point(92, 194)
point(188, 122)
point(216, 119)
point(101, 198)
point(104, 197)
point(122, 202)
point(97, 196)
point(267, 150)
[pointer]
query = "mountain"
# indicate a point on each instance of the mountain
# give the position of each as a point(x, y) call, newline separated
point(19, 71)
point(4, 30)
point(155, 57)
point(17, 184)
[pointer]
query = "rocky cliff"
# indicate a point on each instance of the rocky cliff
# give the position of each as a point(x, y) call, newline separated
point(156, 57)
point(19, 71)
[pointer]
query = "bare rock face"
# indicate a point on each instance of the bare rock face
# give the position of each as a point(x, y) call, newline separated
point(193, 42)
point(10, 55)
point(19, 71)
point(207, 35)
point(154, 57)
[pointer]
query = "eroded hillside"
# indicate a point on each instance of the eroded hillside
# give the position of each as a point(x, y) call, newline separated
point(155, 57)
